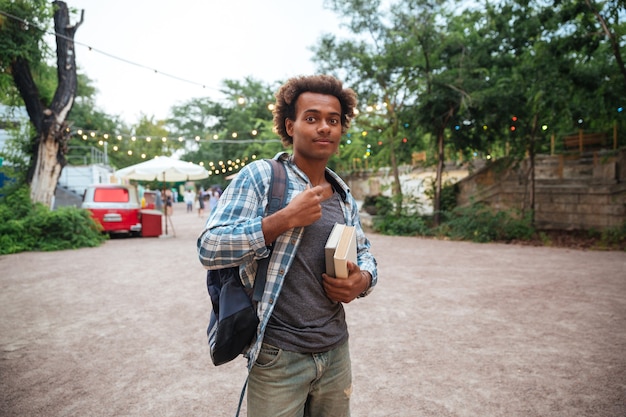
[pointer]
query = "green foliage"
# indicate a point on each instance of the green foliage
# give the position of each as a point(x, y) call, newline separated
point(456, 78)
point(614, 237)
point(449, 191)
point(377, 205)
point(27, 226)
point(476, 223)
point(480, 223)
point(402, 225)
point(21, 41)
point(245, 112)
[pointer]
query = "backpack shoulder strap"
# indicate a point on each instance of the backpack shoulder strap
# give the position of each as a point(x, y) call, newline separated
point(276, 198)
point(278, 184)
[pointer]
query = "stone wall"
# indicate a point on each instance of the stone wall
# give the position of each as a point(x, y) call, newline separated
point(414, 182)
point(572, 191)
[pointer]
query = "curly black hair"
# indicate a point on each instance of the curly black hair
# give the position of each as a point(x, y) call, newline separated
point(287, 95)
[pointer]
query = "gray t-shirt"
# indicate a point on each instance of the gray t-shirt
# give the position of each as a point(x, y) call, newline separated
point(304, 319)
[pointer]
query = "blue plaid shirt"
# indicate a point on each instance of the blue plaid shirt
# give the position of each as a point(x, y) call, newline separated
point(233, 235)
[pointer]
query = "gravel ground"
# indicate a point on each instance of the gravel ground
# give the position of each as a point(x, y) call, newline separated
point(453, 329)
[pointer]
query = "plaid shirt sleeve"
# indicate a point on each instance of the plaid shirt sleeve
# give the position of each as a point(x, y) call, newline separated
point(233, 235)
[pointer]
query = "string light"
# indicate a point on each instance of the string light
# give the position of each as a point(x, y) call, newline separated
point(215, 169)
point(96, 50)
point(84, 134)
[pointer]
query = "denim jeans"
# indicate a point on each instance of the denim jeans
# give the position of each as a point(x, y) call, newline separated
point(289, 384)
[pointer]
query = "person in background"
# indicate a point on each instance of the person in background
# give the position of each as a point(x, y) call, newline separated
point(190, 198)
point(299, 362)
point(214, 196)
point(201, 203)
point(169, 202)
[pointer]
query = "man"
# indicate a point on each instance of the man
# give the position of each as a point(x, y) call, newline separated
point(190, 197)
point(299, 363)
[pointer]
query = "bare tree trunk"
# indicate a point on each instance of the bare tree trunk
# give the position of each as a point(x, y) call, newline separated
point(396, 189)
point(531, 154)
point(440, 165)
point(50, 145)
point(439, 175)
point(396, 186)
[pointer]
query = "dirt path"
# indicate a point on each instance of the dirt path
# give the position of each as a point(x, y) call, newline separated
point(453, 329)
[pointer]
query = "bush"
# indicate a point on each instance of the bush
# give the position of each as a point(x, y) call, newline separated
point(479, 223)
point(401, 226)
point(377, 205)
point(614, 237)
point(449, 191)
point(25, 226)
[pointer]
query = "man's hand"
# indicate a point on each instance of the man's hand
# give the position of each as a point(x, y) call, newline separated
point(306, 207)
point(303, 210)
point(345, 290)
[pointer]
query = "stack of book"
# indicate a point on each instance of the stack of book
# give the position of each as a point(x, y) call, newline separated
point(340, 248)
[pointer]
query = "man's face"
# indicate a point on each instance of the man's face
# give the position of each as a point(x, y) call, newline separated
point(316, 132)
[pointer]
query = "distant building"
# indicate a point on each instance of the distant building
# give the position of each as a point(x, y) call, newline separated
point(13, 121)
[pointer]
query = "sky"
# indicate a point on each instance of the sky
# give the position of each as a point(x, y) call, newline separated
point(201, 41)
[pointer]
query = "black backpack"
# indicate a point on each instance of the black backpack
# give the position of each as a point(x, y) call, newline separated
point(234, 320)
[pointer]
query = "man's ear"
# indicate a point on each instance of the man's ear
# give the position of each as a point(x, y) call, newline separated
point(289, 126)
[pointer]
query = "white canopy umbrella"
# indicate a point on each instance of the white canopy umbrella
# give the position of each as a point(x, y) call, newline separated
point(163, 168)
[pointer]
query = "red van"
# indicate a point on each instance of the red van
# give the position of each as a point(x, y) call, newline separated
point(116, 207)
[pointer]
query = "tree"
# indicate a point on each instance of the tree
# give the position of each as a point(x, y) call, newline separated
point(443, 64)
point(548, 70)
point(231, 131)
point(611, 28)
point(20, 50)
point(87, 118)
point(375, 65)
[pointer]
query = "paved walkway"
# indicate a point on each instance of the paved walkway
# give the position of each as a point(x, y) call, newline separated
point(453, 329)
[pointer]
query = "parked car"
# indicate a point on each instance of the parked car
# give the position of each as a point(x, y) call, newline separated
point(116, 207)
